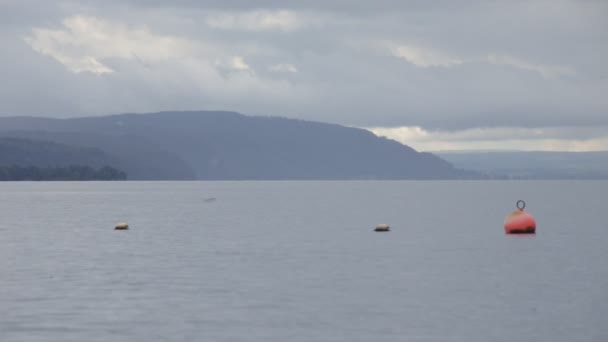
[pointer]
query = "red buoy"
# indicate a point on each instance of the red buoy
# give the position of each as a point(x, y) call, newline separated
point(519, 221)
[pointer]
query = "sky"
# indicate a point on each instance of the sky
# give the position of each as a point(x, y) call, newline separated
point(436, 75)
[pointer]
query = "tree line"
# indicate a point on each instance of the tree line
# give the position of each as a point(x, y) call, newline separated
point(66, 173)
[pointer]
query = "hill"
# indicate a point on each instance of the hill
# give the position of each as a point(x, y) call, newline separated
point(226, 145)
point(68, 173)
point(139, 158)
point(27, 152)
point(24, 159)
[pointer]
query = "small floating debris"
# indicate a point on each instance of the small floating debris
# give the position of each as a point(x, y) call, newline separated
point(519, 221)
point(382, 228)
point(210, 199)
point(121, 226)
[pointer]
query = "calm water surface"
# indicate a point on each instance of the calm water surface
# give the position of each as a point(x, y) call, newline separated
point(298, 261)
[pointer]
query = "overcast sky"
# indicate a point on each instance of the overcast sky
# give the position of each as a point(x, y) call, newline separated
point(437, 75)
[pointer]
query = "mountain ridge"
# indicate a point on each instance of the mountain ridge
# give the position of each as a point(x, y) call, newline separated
point(216, 145)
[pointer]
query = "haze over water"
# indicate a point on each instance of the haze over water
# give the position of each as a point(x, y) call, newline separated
point(298, 261)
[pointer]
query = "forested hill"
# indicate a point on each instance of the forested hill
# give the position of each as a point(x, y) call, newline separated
point(24, 159)
point(40, 153)
point(68, 173)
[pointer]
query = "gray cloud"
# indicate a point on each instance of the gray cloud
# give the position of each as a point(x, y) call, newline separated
point(441, 65)
point(350, 6)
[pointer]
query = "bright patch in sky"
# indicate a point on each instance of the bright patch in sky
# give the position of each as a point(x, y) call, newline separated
point(503, 138)
point(84, 42)
point(283, 67)
point(424, 57)
point(260, 20)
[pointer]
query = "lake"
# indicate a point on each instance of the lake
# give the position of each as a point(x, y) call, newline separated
point(298, 261)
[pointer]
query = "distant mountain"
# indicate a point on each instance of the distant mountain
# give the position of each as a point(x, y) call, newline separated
point(65, 173)
point(227, 145)
point(532, 165)
point(137, 157)
point(24, 159)
point(26, 152)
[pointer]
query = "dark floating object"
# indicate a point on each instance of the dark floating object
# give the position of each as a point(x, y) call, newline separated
point(121, 226)
point(519, 221)
point(382, 228)
point(210, 199)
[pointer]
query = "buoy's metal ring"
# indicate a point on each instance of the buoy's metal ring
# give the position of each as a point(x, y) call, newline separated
point(520, 205)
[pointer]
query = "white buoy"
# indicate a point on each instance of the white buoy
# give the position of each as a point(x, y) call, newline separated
point(382, 228)
point(121, 226)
